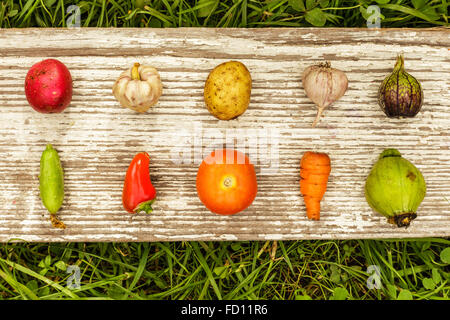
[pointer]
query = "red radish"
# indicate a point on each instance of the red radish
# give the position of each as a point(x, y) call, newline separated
point(48, 86)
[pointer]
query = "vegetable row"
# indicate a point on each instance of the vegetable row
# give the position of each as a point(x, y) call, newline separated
point(226, 181)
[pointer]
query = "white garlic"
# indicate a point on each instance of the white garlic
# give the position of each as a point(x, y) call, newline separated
point(138, 88)
point(324, 85)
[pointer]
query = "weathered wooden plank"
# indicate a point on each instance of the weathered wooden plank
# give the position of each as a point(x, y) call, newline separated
point(97, 139)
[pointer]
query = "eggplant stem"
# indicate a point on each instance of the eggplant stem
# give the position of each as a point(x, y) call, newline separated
point(319, 113)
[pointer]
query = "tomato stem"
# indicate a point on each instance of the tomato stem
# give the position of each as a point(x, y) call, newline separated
point(227, 182)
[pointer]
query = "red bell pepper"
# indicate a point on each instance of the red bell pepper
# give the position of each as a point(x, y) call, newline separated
point(138, 191)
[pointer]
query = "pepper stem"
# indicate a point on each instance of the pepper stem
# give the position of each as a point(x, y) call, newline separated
point(145, 206)
point(400, 64)
point(135, 72)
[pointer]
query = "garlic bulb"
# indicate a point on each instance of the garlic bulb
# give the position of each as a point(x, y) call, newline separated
point(324, 85)
point(138, 88)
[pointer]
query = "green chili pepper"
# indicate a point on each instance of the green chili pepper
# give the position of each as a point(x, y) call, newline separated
point(51, 181)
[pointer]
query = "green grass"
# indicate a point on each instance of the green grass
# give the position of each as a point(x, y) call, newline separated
point(409, 269)
point(215, 13)
point(228, 270)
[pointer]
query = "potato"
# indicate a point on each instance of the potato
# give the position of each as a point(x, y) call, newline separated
point(227, 90)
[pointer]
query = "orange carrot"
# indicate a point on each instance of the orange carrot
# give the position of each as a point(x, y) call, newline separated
point(315, 168)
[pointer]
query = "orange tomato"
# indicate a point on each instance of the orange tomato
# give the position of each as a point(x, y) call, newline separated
point(226, 182)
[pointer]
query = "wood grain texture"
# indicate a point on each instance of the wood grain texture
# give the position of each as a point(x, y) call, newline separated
point(97, 139)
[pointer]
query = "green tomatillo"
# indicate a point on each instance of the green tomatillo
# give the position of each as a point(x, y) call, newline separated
point(395, 188)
